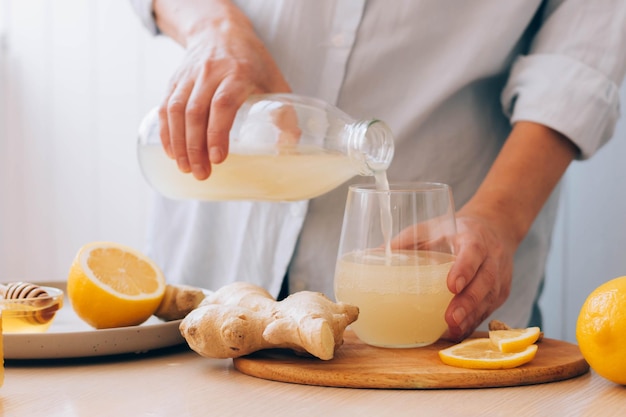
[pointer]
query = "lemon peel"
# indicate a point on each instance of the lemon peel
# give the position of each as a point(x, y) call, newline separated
point(112, 285)
point(482, 354)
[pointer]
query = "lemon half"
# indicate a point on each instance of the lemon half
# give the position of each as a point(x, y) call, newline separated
point(112, 285)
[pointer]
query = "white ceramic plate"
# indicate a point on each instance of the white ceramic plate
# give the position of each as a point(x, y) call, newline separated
point(70, 337)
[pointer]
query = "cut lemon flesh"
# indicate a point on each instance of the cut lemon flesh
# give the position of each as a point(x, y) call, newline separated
point(514, 340)
point(482, 354)
point(111, 285)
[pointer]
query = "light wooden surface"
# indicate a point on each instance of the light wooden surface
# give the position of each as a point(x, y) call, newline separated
point(181, 383)
point(358, 365)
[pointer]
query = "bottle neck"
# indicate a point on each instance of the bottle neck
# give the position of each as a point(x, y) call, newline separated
point(370, 146)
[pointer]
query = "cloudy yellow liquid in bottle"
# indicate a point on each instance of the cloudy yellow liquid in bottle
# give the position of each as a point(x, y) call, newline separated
point(299, 174)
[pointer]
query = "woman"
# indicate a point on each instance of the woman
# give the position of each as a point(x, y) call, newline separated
point(494, 98)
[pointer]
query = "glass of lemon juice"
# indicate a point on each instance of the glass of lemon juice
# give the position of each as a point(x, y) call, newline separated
point(395, 253)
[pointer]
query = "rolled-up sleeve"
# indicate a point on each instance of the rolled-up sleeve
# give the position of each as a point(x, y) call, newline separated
point(144, 10)
point(569, 80)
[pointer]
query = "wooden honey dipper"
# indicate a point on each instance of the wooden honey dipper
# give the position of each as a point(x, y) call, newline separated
point(21, 290)
point(38, 295)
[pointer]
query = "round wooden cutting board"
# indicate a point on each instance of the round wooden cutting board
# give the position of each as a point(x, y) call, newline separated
point(357, 365)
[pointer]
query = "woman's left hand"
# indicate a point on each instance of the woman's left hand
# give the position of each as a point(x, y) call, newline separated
point(481, 275)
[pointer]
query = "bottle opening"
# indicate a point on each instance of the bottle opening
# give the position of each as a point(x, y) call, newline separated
point(371, 146)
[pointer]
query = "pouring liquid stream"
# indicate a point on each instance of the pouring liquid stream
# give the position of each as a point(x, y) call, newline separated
point(382, 184)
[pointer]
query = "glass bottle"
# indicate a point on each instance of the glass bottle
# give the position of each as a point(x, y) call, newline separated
point(283, 147)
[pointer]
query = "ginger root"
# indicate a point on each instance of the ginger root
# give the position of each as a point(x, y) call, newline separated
point(242, 318)
point(498, 325)
point(178, 301)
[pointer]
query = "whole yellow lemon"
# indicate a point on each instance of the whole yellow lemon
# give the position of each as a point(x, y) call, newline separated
point(601, 330)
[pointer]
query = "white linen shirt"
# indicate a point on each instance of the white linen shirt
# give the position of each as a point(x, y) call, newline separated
point(449, 77)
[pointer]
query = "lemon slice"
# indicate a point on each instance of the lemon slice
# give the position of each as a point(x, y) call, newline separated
point(514, 340)
point(111, 285)
point(482, 354)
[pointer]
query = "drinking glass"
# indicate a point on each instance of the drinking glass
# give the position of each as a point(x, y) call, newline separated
point(395, 252)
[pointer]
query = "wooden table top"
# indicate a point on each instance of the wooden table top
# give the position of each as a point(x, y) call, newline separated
point(178, 382)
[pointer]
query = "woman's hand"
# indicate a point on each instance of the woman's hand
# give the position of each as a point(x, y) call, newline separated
point(494, 222)
point(481, 275)
point(225, 62)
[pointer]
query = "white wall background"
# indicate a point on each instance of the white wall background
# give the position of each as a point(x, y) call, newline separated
point(76, 76)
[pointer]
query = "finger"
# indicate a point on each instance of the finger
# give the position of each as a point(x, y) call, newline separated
point(285, 119)
point(227, 99)
point(435, 234)
point(176, 105)
point(470, 256)
point(408, 238)
point(196, 122)
point(469, 308)
point(164, 130)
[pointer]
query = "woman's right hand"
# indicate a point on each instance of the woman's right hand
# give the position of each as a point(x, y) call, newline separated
point(225, 62)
